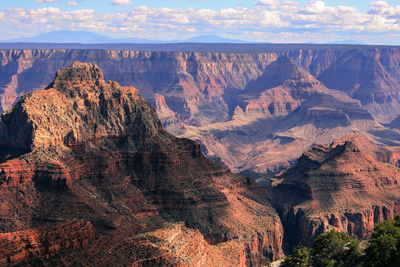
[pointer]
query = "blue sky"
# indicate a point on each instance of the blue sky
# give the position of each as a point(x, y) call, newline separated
point(375, 22)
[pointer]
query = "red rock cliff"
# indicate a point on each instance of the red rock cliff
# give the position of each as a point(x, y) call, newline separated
point(92, 150)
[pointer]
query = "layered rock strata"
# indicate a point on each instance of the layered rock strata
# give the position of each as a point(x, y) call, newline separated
point(350, 185)
point(89, 150)
point(196, 93)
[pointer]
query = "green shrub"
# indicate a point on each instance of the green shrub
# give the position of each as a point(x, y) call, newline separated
point(300, 258)
point(384, 246)
point(330, 249)
point(333, 249)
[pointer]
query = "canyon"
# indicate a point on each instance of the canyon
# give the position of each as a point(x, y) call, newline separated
point(88, 176)
point(255, 110)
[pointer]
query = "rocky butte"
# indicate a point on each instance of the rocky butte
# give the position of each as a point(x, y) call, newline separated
point(349, 185)
point(89, 176)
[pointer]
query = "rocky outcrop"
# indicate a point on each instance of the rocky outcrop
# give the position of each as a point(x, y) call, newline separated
point(280, 89)
point(46, 242)
point(285, 86)
point(380, 153)
point(344, 186)
point(77, 243)
point(172, 121)
point(93, 150)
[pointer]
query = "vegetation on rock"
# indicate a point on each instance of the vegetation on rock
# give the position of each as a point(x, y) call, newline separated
point(340, 249)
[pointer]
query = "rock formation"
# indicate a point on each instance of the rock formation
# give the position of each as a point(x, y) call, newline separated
point(88, 174)
point(349, 185)
point(284, 112)
point(227, 98)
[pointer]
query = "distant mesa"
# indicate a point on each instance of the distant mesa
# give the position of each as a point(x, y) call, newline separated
point(86, 37)
point(82, 37)
point(211, 39)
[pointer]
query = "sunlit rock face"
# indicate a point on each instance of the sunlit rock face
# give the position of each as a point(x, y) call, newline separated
point(87, 161)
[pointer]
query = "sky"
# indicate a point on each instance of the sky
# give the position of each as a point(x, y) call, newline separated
point(277, 21)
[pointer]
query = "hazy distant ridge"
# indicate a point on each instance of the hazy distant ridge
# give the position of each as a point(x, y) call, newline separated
point(84, 37)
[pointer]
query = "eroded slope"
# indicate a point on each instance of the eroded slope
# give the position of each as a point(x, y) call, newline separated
point(96, 151)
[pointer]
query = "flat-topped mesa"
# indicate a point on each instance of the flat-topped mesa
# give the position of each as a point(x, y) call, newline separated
point(76, 107)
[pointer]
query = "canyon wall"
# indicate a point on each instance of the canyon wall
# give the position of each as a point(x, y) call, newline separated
point(92, 150)
point(225, 101)
point(87, 169)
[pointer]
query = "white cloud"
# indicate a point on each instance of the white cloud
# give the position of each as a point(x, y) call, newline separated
point(383, 8)
point(315, 7)
point(46, 1)
point(269, 2)
point(269, 20)
point(191, 29)
point(122, 2)
point(273, 19)
point(278, 5)
point(379, 7)
point(15, 9)
point(72, 3)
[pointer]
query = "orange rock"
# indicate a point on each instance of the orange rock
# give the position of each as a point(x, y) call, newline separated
point(96, 151)
point(344, 186)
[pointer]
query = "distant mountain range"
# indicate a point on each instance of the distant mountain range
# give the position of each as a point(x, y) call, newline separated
point(212, 39)
point(85, 37)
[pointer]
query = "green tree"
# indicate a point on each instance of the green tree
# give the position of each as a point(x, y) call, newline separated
point(384, 246)
point(335, 249)
point(300, 258)
point(330, 249)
